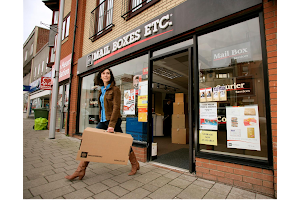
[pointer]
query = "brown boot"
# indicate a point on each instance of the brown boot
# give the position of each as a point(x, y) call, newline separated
point(134, 164)
point(80, 171)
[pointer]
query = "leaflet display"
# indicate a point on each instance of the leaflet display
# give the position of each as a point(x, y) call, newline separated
point(243, 127)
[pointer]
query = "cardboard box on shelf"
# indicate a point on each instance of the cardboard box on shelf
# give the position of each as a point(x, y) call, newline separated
point(180, 135)
point(98, 145)
point(179, 97)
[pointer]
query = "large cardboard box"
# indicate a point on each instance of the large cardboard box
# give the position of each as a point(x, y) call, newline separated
point(179, 97)
point(180, 135)
point(178, 108)
point(179, 121)
point(98, 145)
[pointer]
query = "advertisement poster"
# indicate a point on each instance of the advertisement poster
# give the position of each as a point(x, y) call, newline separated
point(202, 95)
point(94, 119)
point(143, 88)
point(208, 137)
point(136, 80)
point(142, 108)
point(142, 114)
point(129, 102)
point(208, 92)
point(216, 94)
point(243, 127)
point(208, 116)
point(223, 93)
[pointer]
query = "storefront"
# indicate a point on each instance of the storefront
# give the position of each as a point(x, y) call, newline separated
point(214, 72)
point(63, 93)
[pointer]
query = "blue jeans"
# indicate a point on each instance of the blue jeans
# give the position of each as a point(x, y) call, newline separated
point(104, 125)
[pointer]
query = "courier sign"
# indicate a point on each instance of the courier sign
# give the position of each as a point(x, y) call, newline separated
point(131, 38)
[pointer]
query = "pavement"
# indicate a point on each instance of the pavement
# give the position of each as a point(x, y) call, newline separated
point(47, 161)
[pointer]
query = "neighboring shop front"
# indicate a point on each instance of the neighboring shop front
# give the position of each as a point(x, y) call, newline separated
point(211, 63)
point(63, 93)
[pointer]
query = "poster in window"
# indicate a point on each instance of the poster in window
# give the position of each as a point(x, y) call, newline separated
point(243, 127)
point(143, 88)
point(129, 102)
point(208, 92)
point(93, 103)
point(202, 95)
point(208, 116)
point(223, 93)
point(208, 137)
point(216, 94)
point(94, 119)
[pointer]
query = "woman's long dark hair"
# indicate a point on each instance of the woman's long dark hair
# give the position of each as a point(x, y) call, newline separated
point(99, 81)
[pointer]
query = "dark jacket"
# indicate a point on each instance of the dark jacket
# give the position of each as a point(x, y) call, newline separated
point(112, 104)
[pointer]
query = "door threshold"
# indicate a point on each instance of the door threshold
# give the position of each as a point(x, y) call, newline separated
point(177, 169)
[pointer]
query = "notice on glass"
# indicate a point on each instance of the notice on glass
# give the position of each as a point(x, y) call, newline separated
point(243, 127)
point(202, 95)
point(143, 88)
point(208, 94)
point(208, 137)
point(142, 114)
point(129, 102)
point(208, 116)
point(223, 93)
point(216, 94)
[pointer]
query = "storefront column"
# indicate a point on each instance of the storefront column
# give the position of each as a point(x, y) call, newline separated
point(270, 22)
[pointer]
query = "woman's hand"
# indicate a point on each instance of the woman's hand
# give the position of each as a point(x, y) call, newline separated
point(110, 129)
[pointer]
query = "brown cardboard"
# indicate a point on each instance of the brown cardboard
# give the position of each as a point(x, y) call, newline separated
point(179, 97)
point(178, 108)
point(179, 121)
point(98, 145)
point(180, 135)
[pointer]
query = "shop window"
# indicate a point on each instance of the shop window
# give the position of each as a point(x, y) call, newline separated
point(232, 92)
point(130, 8)
point(173, 47)
point(101, 19)
point(132, 79)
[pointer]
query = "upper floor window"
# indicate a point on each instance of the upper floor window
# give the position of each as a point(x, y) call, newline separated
point(39, 69)
point(31, 49)
point(42, 67)
point(25, 56)
point(55, 17)
point(130, 8)
point(65, 27)
point(101, 19)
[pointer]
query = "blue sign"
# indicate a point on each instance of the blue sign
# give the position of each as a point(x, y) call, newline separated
point(26, 87)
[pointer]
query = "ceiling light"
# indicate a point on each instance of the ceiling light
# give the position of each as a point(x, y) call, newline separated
point(166, 73)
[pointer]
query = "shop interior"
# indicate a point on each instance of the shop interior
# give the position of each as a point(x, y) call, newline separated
point(170, 125)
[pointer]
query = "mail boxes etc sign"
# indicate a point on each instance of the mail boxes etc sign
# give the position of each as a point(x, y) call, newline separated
point(239, 52)
point(154, 28)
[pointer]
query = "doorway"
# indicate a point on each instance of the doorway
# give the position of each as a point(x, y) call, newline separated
point(171, 95)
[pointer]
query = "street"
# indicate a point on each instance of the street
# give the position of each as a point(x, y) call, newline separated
point(47, 161)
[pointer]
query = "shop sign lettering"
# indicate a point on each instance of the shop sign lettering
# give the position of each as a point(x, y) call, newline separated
point(149, 29)
point(239, 52)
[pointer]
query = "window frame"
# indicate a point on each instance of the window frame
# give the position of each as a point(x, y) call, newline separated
point(253, 162)
point(129, 14)
point(105, 28)
point(65, 27)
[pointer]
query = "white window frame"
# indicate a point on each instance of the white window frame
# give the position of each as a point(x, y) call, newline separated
point(31, 49)
point(25, 55)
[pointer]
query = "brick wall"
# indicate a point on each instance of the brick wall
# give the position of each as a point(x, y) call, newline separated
point(66, 49)
point(249, 178)
point(122, 26)
point(270, 20)
point(42, 38)
point(140, 153)
point(77, 54)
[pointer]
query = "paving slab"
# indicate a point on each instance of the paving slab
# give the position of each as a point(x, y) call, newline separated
point(47, 161)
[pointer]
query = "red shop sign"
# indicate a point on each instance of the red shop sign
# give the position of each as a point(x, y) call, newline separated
point(46, 83)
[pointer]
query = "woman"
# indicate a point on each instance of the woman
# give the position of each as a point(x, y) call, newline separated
point(109, 100)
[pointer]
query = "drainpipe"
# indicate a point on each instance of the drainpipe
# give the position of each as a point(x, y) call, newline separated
point(72, 64)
